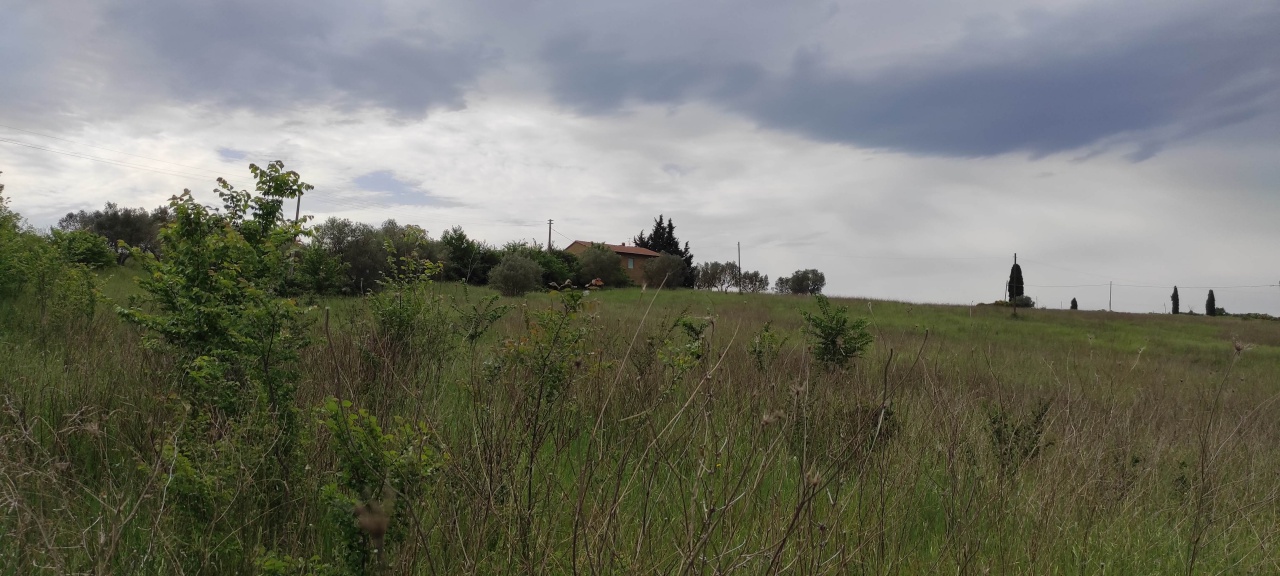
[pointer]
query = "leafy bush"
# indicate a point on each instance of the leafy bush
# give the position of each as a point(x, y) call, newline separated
point(561, 266)
point(765, 347)
point(1016, 442)
point(320, 272)
point(14, 243)
point(376, 470)
point(409, 322)
point(214, 302)
point(834, 338)
point(134, 227)
point(600, 262)
point(364, 250)
point(557, 266)
point(666, 270)
point(516, 275)
point(717, 275)
point(83, 247)
point(467, 260)
point(1023, 301)
point(809, 281)
point(662, 239)
point(753, 282)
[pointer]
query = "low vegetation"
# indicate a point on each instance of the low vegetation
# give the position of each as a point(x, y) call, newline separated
point(199, 413)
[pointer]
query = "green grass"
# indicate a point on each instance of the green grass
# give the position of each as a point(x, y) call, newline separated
point(1158, 445)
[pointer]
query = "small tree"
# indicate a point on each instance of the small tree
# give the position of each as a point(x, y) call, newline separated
point(558, 266)
point(516, 275)
point(1174, 298)
point(753, 282)
point(717, 275)
point(84, 247)
point(599, 262)
point(834, 338)
point(782, 285)
point(1210, 305)
point(13, 249)
point(1074, 306)
point(662, 239)
point(467, 260)
point(135, 227)
point(710, 275)
point(667, 270)
point(808, 281)
point(1016, 286)
point(215, 302)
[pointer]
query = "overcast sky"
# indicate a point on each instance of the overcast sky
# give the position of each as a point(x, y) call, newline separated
point(907, 149)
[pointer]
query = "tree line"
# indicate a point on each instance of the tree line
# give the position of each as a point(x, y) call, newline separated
point(340, 256)
point(1015, 288)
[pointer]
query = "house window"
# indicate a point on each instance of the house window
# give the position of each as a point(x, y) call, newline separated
point(631, 262)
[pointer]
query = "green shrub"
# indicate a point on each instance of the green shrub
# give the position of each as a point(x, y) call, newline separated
point(1014, 443)
point(84, 247)
point(214, 302)
point(834, 338)
point(467, 260)
point(410, 323)
point(666, 270)
point(809, 281)
point(516, 275)
point(319, 272)
point(599, 262)
point(753, 282)
point(765, 347)
point(379, 472)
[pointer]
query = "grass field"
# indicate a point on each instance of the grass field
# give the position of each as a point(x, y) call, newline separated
point(667, 432)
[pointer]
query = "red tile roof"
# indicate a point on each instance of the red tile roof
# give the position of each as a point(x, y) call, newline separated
point(623, 249)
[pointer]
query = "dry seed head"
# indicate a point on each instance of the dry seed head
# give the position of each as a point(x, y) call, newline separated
point(373, 521)
point(771, 417)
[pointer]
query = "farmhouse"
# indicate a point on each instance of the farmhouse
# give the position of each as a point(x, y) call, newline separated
point(633, 257)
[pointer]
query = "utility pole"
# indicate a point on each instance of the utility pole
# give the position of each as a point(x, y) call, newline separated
point(739, 267)
point(549, 234)
point(1013, 300)
point(1109, 283)
point(297, 211)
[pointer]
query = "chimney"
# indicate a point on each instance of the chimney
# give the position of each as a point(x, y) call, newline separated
point(624, 243)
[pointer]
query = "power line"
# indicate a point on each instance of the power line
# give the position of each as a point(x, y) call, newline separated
point(103, 160)
point(216, 172)
point(1066, 285)
point(562, 235)
point(1199, 287)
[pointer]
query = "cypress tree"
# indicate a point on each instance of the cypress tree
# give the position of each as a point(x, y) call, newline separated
point(1210, 305)
point(1074, 306)
point(1016, 288)
point(1174, 297)
point(663, 240)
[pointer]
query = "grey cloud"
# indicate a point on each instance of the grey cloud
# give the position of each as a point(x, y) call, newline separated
point(232, 155)
point(595, 80)
point(398, 192)
point(263, 56)
point(1053, 89)
point(277, 54)
point(676, 170)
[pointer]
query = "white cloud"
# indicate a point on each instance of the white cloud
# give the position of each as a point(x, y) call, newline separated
point(505, 155)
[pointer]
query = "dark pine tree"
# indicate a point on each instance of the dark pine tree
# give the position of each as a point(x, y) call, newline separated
point(663, 239)
point(1074, 306)
point(1210, 305)
point(1174, 298)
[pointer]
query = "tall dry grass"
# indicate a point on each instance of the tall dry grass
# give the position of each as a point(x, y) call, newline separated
point(611, 440)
